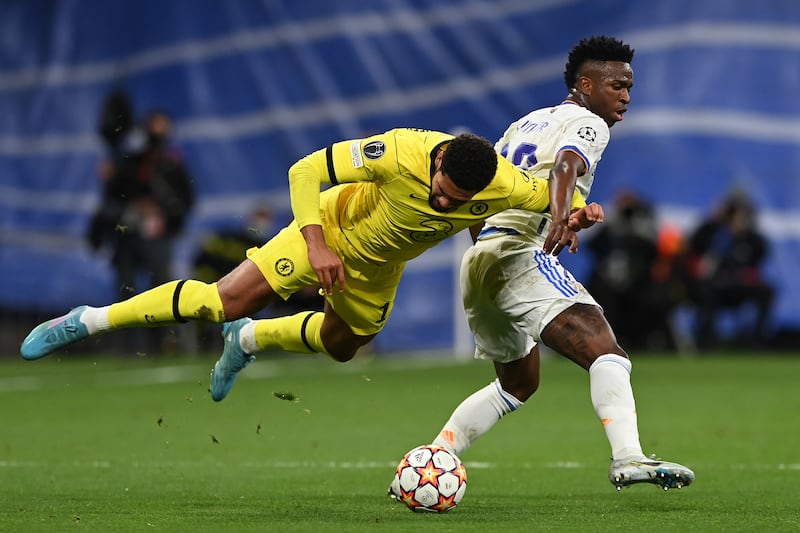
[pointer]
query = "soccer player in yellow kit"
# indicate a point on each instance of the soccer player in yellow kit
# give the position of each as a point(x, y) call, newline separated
point(394, 195)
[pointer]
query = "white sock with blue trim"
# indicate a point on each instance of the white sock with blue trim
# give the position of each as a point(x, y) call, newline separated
point(475, 416)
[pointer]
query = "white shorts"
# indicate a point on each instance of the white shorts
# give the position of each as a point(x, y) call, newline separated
point(511, 291)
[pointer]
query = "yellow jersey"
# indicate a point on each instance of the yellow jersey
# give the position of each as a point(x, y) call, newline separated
point(379, 197)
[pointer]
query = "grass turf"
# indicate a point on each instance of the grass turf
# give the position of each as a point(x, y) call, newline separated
point(107, 444)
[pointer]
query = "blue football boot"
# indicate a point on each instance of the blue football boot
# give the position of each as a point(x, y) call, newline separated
point(233, 359)
point(54, 334)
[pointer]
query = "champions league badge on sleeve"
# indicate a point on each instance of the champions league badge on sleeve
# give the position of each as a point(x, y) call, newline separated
point(587, 133)
point(374, 150)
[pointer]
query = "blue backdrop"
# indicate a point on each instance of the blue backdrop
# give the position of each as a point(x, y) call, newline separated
point(256, 84)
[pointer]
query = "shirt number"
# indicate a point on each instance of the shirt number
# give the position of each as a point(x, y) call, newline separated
point(524, 155)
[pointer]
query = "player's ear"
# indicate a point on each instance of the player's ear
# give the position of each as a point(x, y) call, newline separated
point(584, 85)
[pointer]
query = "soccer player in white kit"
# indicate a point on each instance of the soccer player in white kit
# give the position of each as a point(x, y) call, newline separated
point(516, 295)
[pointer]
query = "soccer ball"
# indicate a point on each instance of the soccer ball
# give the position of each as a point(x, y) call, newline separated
point(430, 478)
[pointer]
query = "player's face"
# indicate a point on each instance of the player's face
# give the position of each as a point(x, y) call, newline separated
point(610, 93)
point(445, 195)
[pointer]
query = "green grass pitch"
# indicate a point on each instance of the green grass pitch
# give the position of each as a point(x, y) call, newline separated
point(93, 443)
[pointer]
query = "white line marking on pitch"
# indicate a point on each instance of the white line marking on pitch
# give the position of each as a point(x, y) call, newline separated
point(336, 465)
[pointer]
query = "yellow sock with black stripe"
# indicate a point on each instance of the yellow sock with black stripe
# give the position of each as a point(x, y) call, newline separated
point(298, 333)
point(173, 302)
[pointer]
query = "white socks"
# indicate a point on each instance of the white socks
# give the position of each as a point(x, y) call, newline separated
point(475, 416)
point(612, 397)
point(96, 319)
point(247, 338)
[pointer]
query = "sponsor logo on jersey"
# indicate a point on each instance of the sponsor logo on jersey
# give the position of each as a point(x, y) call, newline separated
point(587, 133)
point(374, 149)
point(479, 208)
point(436, 230)
point(284, 266)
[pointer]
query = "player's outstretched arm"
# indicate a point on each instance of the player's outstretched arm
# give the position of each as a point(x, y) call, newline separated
point(305, 179)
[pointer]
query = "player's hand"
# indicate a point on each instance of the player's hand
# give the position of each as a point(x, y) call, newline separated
point(328, 267)
point(586, 217)
point(560, 236)
point(326, 264)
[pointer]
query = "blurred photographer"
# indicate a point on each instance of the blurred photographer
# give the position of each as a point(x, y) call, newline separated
point(147, 197)
point(725, 259)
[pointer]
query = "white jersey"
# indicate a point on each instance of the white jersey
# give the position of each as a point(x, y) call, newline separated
point(534, 141)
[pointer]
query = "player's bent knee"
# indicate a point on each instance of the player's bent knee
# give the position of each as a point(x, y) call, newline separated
point(345, 351)
point(344, 347)
point(342, 356)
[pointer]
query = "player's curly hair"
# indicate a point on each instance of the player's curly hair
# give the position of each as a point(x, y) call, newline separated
point(470, 161)
point(596, 48)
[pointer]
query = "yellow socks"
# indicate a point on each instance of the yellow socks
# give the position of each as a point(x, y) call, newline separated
point(296, 333)
point(171, 303)
point(184, 300)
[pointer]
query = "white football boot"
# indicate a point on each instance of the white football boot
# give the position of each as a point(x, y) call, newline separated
point(625, 472)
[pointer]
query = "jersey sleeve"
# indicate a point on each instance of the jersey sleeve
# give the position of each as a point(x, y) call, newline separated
point(342, 162)
point(523, 190)
point(305, 180)
point(577, 200)
point(537, 196)
point(586, 136)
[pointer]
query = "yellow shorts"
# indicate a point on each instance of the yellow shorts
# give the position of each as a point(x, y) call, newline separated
point(369, 292)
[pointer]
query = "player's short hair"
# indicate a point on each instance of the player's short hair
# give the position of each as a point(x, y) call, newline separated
point(596, 48)
point(470, 161)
